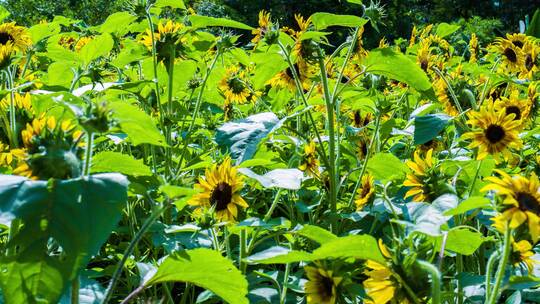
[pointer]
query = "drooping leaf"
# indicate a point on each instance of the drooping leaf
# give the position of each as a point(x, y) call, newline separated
point(462, 241)
point(206, 21)
point(279, 255)
point(471, 203)
point(79, 214)
point(316, 233)
point(170, 3)
point(109, 161)
point(205, 268)
point(444, 29)
point(242, 137)
point(99, 46)
point(325, 20)
point(428, 218)
point(397, 66)
point(428, 127)
point(386, 166)
point(139, 127)
point(280, 178)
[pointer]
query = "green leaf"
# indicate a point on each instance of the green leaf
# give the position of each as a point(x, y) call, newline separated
point(353, 246)
point(170, 3)
point(363, 247)
point(386, 166)
point(290, 179)
point(139, 127)
point(4, 13)
point(99, 46)
point(242, 137)
point(469, 204)
point(444, 29)
point(316, 233)
point(428, 218)
point(359, 2)
point(117, 23)
point(207, 269)
point(397, 66)
point(428, 127)
point(324, 20)
point(78, 214)
point(462, 241)
point(534, 26)
point(177, 191)
point(109, 161)
point(43, 30)
point(205, 21)
point(60, 74)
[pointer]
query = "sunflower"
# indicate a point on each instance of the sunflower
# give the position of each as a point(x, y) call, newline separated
point(518, 39)
point(365, 193)
point(441, 91)
point(359, 50)
point(7, 155)
point(234, 86)
point(264, 26)
point(285, 78)
point(310, 163)
point(417, 180)
point(493, 132)
point(514, 105)
point(221, 188)
point(13, 36)
point(473, 48)
point(322, 285)
point(414, 34)
point(512, 56)
point(424, 57)
point(530, 61)
point(167, 40)
point(380, 287)
point(359, 120)
point(22, 102)
point(522, 253)
point(521, 201)
point(82, 42)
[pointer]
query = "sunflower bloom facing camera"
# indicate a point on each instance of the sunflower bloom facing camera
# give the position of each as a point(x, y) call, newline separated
point(14, 37)
point(511, 56)
point(522, 253)
point(494, 132)
point(512, 104)
point(366, 192)
point(418, 179)
point(520, 202)
point(221, 186)
point(322, 285)
point(235, 87)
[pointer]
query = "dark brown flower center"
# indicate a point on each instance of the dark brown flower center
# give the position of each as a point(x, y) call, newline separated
point(221, 196)
point(357, 119)
point(325, 288)
point(236, 85)
point(518, 43)
point(514, 110)
point(529, 62)
point(510, 55)
point(424, 64)
point(527, 202)
point(365, 190)
point(494, 133)
point(5, 38)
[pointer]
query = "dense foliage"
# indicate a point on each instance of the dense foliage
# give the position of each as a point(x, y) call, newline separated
point(157, 157)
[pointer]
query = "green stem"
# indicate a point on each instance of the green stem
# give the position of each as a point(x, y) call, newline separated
point(268, 214)
point(88, 153)
point(491, 262)
point(75, 285)
point(116, 276)
point(168, 127)
point(502, 266)
point(196, 112)
point(331, 132)
point(471, 189)
point(435, 281)
point(12, 118)
point(242, 249)
point(285, 283)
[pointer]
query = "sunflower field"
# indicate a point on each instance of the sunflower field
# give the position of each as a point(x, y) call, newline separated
point(170, 157)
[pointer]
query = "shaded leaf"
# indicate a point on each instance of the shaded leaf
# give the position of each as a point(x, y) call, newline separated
point(428, 127)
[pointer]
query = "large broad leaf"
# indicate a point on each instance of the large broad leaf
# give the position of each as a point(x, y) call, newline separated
point(117, 23)
point(242, 137)
point(462, 240)
point(205, 268)
point(469, 204)
point(78, 214)
point(428, 218)
point(170, 3)
point(110, 161)
point(445, 29)
point(397, 66)
point(290, 179)
point(316, 233)
point(97, 47)
point(386, 166)
point(324, 20)
point(205, 21)
point(138, 126)
point(428, 127)
point(534, 26)
point(353, 246)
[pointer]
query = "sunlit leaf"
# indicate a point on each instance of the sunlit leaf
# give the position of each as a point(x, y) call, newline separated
point(324, 20)
point(109, 161)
